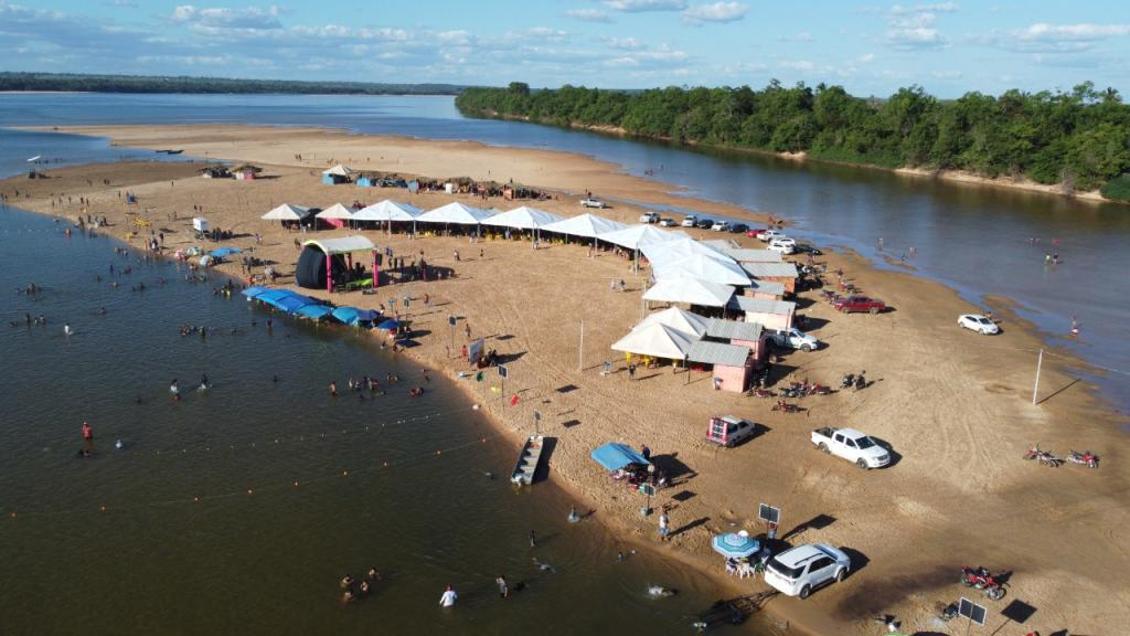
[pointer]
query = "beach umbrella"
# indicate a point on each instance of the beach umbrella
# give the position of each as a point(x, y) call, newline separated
point(735, 545)
point(313, 312)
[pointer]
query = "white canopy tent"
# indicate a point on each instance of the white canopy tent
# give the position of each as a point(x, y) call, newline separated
point(523, 218)
point(343, 245)
point(679, 319)
point(635, 236)
point(454, 212)
point(287, 212)
point(691, 291)
point(339, 171)
point(336, 211)
point(387, 210)
point(674, 250)
point(584, 226)
point(656, 340)
point(703, 268)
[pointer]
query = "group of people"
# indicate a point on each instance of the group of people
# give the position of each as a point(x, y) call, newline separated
point(353, 590)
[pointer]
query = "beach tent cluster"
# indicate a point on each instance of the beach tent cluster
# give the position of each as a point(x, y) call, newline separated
point(301, 306)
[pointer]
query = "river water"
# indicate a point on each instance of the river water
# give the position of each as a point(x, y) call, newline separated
point(979, 240)
point(196, 525)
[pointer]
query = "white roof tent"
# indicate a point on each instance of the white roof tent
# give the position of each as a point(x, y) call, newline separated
point(343, 245)
point(523, 218)
point(584, 225)
point(336, 211)
point(387, 210)
point(679, 319)
point(691, 291)
point(339, 171)
point(635, 236)
point(287, 212)
point(703, 268)
point(655, 340)
point(455, 212)
point(674, 250)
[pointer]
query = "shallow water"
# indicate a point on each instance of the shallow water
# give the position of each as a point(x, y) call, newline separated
point(976, 239)
point(196, 524)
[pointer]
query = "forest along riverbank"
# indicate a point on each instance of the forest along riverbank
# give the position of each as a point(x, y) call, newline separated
point(262, 491)
point(955, 407)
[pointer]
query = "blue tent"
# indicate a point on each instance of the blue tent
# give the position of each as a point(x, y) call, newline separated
point(222, 252)
point(314, 312)
point(294, 302)
point(614, 456)
point(254, 291)
point(389, 324)
point(353, 315)
point(271, 296)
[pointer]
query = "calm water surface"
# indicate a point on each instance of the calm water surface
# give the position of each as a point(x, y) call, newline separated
point(977, 240)
point(157, 561)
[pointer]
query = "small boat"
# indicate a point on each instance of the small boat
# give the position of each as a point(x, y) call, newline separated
point(528, 461)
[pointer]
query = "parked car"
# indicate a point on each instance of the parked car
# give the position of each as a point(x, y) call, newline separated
point(667, 222)
point(704, 223)
point(794, 338)
point(855, 446)
point(808, 248)
point(739, 228)
point(593, 203)
point(690, 220)
point(797, 571)
point(729, 431)
point(719, 226)
point(768, 235)
point(856, 304)
point(783, 244)
point(753, 232)
point(649, 217)
point(976, 322)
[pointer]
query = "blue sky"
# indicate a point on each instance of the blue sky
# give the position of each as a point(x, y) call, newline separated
point(870, 48)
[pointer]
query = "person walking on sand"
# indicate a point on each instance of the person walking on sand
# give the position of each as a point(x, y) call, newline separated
point(448, 598)
point(664, 526)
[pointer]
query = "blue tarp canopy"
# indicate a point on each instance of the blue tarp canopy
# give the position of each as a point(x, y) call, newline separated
point(353, 315)
point(314, 312)
point(614, 456)
point(294, 302)
point(388, 324)
point(272, 295)
point(253, 291)
point(221, 252)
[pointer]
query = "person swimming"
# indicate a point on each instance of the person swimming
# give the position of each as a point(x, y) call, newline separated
point(174, 389)
point(203, 382)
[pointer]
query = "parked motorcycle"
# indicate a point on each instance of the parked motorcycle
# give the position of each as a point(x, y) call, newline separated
point(1043, 457)
point(762, 393)
point(860, 381)
point(847, 381)
point(979, 578)
point(1086, 458)
point(786, 407)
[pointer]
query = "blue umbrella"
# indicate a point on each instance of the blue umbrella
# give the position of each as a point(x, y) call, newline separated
point(737, 545)
point(389, 324)
point(314, 312)
point(221, 252)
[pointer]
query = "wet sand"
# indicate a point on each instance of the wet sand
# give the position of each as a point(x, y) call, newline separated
point(954, 406)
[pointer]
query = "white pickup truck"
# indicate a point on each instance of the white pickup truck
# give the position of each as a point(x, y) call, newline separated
point(852, 445)
point(649, 217)
point(794, 338)
point(593, 203)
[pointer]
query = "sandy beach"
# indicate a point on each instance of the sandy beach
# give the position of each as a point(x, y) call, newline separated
point(955, 407)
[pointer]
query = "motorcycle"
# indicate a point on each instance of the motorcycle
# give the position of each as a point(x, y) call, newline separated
point(860, 381)
point(762, 393)
point(1043, 457)
point(785, 407)
point(1086, 458)
point(979, 578)
point(847, 381)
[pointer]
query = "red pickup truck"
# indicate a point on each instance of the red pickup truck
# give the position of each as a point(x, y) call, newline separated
point(854, 304)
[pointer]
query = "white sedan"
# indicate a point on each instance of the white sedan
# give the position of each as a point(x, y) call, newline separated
point(976, 322)
point(782, 244)
point(666, 222)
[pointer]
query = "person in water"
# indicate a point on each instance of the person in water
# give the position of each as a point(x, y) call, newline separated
point(503, 587)
point(448, 598)
point(333, 389)
point(174, 389)
point(204, 381)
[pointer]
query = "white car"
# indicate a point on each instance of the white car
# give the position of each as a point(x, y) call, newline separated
point(689, 220)
point(797, 571)
point(649, 217)
point(719, 226)
point(855, 446)
point(667, 222)
point(768, 235)
point(976, 322)
point(592, 203)
point(794, 338)
point(784, 245)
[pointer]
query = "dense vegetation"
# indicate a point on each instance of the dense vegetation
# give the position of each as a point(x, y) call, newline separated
point(183, 84)
point(1080, 139)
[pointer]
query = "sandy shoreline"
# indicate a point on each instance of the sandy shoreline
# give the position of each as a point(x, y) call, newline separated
point(960, 422)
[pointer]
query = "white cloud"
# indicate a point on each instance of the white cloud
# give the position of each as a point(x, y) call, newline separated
point(588, 15)
point(624, 44)
point(715, 12)
point(797, 65)
point(227, 18)
point(803, 36)
point(1072, 32)
point(914, 27)
point(639, 6)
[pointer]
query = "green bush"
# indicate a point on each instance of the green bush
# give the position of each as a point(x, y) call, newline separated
point(1118, 188)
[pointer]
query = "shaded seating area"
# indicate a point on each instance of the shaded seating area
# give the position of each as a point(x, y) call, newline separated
point(329, 264)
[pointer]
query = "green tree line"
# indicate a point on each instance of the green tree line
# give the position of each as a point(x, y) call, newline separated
point(186, 84)
point(1079, 138)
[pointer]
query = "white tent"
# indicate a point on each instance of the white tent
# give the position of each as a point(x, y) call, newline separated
point(691, 291)
point(656, 340)
point(585, 225)
point(343, 245)
point(336, 211)
point(679, 319)
point(339, 171)
point(635, 236)
point(387, 210)
point(703, 268)
point(454, 212)
point(674, 250)
point(523, 218)
point(287, 212)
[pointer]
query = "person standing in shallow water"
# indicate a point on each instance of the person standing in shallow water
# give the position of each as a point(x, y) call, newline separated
point(448, 598)
point(503, 586)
